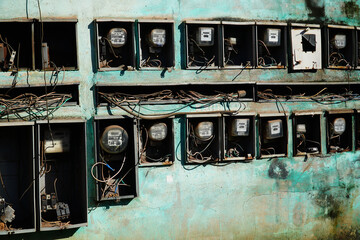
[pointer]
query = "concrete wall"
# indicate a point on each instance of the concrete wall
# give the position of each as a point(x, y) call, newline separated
point(286, 198)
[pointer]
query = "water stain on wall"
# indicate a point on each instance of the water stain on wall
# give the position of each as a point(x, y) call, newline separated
point(316, 8)
point(278, 169)
point(351, 9)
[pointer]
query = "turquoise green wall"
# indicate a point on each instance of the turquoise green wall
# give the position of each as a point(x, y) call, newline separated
point(319, 198)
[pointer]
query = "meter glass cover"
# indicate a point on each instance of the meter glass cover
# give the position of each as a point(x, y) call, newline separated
point(158, 37)
point(240, 127)
point(158, 132)
point(339, 125)
point(205, 36)
point(204, 130)
point(114, 139)
point(117, 37)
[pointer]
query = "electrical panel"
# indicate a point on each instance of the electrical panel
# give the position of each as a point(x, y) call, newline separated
point(156, 142)
point(306, 47)
point(115, 170)
point(306, 134)
point(17, 194)
point(340, 46)
point(115, 44)
point(203, 139)
point(62, 174)
point(16, 40)
point(339, 131)
point(202, 45)
point(271, 45)
point(239, 141)
point(273, 136)
point(156, 42)
point(56, 44)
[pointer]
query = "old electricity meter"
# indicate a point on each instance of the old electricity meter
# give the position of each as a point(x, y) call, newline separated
point(57, 141)
point(204, 131)
point(240, 127)
point(300, 129)
point(205, 36)
point(157, 37)
point(272, 37)
point(158, 132)
point(339, 126)
point(274, 129)
point(339, 41)
point(114, 139)
point(117, 37)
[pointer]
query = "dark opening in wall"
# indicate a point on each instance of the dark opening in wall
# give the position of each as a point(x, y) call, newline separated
point(62, 175)
point(341, 47)
point(156, 142)
point(239, 138)
point(271, 47)
point(239, 44)
point(357, 129)
point(17, 177)
point(115, 170)
point(203, 140)
point(306, 134)
point(115, 45)
point(156, 44)
point(339, 132)
point(273, 136)
point(16, 46)
point(58, 46)
point(203, 49)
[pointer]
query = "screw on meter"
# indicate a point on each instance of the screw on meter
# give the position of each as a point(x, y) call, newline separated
point(158, 37)
point(274, 129)
point(114, 139)
point(339, 125)
point(204, 130)
point(117, 37)
point(272, 37)
point(205, 36)
point(339, 41)
point(158, 132)
point(240, 127)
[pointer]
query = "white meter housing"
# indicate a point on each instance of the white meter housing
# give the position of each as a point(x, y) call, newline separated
point(114, 139)
point(204, 131)
point(272, 37)
point(339, 125)
point(339, 41)
point(117, 37)
point(274, 129)
point(205, 36)
point(157, 37)
point(58, 141)
point(158, 132)
point(301, 128)
point(240, 127)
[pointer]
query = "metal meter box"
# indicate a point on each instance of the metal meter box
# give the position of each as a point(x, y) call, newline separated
point(306, 46)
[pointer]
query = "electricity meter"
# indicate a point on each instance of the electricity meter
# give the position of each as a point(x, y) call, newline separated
point(205, 36)
point(58, 141)
point(339, 41)
point(157, 37)
point(204, 130)
point(117, 37)
point(158, 132)
point(339, 125)
point(114, 139)
point(274, 129)
point(300, 129)
point(309, 42)
point(240, 127)
point(272, 37)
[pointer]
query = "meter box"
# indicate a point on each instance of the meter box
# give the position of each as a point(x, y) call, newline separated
point(273, 135)
point(239, 137)
point(115, 169)
point(58, 47)
point(306, 133)
point(203, 139)
point(238, 44)
point(15, 35)
point(271, 45)
point(202, 44)
point(61, 164)
point(155, 138)
point(306, 46)
point(340, 42)
point(17, 169)
point(115, 44)
point(339, 131)
point(156, 44)
point(357, 130)
point(357, 47)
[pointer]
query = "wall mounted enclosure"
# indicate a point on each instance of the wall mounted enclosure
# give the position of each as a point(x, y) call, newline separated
point(115, 43)
point(306, 51)
point(339, 131)
point(156, 42)
point(340, 42)
point(271, 45)
point(239, 138)
point(18, 174)
point(238, 44)
point(202, 44)
point(306, 134)
point(116, 164)
point(62, 181)
point(357, 130)
point(203, 139)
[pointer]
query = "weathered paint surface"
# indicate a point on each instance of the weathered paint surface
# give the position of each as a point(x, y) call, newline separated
point(286, 198)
